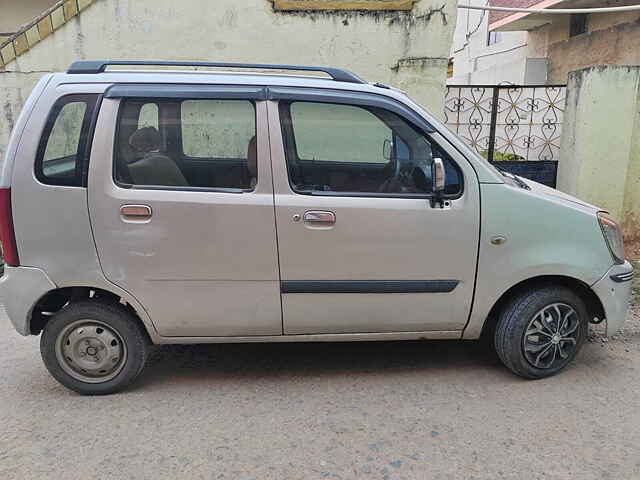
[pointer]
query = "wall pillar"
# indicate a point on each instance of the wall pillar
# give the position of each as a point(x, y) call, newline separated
point(600, 148)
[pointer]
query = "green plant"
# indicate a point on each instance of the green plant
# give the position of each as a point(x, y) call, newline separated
point(503, 157)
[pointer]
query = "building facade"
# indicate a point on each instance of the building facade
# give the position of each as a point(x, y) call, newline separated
point(484, 57)
point(531, 48)
point(575, 42)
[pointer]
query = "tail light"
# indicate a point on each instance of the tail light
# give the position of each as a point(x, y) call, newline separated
point(7, 234)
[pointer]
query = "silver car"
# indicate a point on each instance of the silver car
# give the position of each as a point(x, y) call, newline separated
point(145, 205)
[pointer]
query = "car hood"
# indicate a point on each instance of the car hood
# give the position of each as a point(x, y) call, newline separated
point(541, 189)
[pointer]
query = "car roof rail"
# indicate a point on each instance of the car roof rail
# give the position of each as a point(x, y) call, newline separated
point(99, 66)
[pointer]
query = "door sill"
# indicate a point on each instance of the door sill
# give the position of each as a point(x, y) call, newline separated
point(323, 337)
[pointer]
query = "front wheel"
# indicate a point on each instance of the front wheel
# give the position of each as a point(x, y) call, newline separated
point(93, 347)
point(541, 331)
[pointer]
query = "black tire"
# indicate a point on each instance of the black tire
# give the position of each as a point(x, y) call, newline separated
point(109, 316)
point(519, 352)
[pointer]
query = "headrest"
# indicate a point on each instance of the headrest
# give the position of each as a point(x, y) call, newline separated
point(145, 140)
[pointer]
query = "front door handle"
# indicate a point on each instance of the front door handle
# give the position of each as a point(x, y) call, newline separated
point(136, 212)
point(319, 218)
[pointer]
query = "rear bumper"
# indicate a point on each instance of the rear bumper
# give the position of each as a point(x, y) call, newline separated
point(20, 290)
point(614, 291)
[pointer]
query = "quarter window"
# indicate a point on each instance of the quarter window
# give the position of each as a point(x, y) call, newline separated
point(209, 144)
point(348, 149)
point(63, 152)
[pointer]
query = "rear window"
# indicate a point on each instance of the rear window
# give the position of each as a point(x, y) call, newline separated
point(64, 147)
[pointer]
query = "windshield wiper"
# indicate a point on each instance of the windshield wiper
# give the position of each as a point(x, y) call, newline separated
point(521, 182)
point(514, 177)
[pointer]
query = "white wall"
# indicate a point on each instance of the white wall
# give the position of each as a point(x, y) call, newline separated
point(475, 62)
point(371, 43)
point(600, 150)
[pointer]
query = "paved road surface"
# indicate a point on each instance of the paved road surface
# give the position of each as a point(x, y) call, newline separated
point(419, 410)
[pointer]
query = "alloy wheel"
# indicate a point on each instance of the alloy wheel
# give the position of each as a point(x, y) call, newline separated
point(551, 336)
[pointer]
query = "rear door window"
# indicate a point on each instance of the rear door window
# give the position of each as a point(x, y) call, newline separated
point(217, 128)
point(187, 144)
point(64, 147)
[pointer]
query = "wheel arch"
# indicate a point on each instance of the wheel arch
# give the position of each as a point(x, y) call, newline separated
point(58, 298)
point(584, 291)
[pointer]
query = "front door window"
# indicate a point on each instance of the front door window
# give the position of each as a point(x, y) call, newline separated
point(349, 149)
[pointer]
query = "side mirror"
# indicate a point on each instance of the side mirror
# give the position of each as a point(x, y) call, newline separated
point(387, 149)
point(438, 175)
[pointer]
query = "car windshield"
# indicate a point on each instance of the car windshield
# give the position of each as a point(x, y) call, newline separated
point(424, 113)
point(517, 180)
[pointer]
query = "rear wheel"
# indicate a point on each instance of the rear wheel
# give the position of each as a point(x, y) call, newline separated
point(541, 331)
point(93, 347)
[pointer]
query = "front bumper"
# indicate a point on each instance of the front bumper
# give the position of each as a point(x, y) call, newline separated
point(20, 290)
point(614, 291)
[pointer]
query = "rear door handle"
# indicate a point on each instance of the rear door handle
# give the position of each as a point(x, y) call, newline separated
point(135, 212)
point(319, 218)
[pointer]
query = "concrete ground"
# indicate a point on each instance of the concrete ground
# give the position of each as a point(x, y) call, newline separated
point(417, 410)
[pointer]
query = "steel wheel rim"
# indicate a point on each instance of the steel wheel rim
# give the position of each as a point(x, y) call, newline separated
point(91, 351)
point(551, 336)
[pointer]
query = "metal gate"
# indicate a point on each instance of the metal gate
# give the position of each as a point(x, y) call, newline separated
point(518, 128)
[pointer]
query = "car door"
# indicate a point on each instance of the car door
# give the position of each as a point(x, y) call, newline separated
point(363, 247)
point(181, 206)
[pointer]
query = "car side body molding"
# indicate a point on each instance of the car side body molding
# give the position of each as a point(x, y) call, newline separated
point(368, 286)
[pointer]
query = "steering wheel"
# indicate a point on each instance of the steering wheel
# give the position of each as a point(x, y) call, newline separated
point(412, 178)
point(393, 183)
point(422, 169)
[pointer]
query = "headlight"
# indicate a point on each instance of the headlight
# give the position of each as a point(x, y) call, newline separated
point(613, 236)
